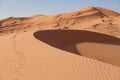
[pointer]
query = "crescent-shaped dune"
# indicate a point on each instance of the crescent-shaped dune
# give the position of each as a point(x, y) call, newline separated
point(94, 45)
point(23, 57)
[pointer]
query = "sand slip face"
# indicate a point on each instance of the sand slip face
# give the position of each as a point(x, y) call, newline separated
point(100, 46)
point(23, 57)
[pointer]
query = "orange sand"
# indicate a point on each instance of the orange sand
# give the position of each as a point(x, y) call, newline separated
point(58, 47)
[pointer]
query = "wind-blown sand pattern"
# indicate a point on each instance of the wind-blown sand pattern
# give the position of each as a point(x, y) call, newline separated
point(61, 47)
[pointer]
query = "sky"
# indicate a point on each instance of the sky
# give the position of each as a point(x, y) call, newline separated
point(22, 8)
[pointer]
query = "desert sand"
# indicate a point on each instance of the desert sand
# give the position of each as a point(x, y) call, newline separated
point(102, 47)
point(80, 45)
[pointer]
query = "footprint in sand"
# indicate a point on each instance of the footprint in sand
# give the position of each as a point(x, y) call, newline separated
point(14, 43)
point(14, 36)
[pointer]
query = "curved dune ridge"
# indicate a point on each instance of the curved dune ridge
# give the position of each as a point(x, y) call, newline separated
point(23, 57)
point(94, 45)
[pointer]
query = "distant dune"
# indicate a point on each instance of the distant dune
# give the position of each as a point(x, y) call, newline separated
point(95, 19)
point(79, 45)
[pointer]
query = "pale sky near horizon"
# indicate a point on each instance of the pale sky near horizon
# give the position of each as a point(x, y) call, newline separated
point(21, 8)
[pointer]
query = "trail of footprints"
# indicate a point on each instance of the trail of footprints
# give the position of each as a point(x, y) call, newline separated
point(20, 62)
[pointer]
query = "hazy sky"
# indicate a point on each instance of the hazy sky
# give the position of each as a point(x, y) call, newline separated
point(21, 8)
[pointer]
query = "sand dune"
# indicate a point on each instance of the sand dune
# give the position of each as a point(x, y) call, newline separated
point(27, 58)
point(72, 41)
point(89, 18)
point(44, 47)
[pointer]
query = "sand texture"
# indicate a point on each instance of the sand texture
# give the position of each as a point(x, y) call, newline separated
point(79, 45)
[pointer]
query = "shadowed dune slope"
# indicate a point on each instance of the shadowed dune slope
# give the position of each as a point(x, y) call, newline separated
point(107, 49)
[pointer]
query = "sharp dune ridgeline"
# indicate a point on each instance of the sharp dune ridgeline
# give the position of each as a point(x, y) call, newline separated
point(79, 45)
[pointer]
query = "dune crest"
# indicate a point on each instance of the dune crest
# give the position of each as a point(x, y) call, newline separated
point(102, 11)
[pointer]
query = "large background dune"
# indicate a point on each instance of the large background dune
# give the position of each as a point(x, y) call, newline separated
point(90, 18)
